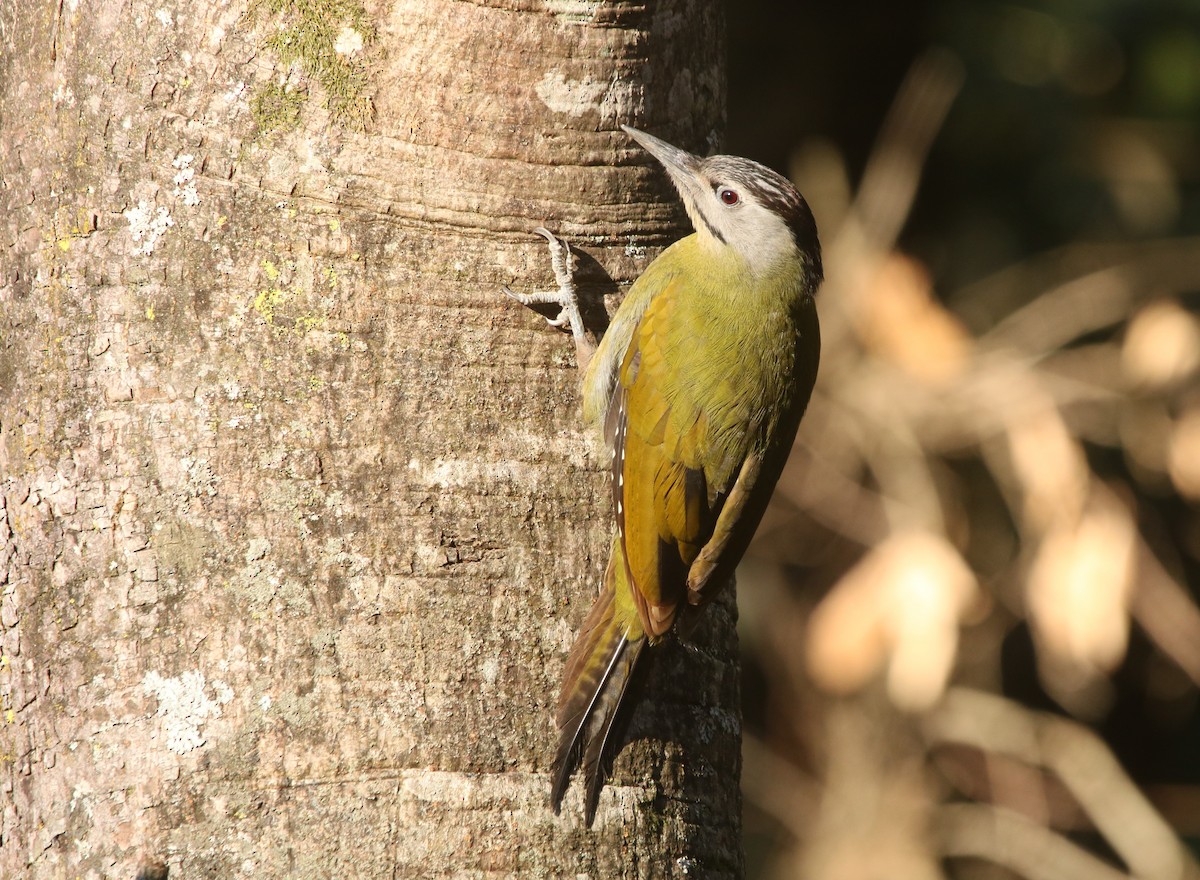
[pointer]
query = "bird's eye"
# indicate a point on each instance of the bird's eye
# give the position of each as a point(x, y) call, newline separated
point(728, 196)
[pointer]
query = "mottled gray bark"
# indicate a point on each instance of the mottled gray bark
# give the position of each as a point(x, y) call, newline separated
point(297, 515)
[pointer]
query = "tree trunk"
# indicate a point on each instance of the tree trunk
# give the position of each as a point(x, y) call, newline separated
point(297, 514)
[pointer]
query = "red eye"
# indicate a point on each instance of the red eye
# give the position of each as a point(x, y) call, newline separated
point(729, 196)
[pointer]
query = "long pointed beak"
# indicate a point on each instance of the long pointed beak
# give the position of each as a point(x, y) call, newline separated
point(682, 166)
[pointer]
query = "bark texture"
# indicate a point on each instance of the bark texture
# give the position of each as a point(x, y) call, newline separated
point(297, 516)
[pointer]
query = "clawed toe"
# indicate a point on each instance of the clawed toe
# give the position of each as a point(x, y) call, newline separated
point(565, 297)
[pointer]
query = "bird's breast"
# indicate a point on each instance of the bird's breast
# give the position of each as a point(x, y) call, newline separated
point(732, 356)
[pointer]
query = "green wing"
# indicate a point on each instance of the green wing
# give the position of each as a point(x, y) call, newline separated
point(692, 471)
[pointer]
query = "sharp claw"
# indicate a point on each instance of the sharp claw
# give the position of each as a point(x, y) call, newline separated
point(523, 298)
point(561, 259)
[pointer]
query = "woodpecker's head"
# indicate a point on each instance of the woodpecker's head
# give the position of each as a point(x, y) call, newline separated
point(742, 205)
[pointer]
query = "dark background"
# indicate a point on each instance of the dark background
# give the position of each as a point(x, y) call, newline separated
point(1077, 122)
point(1032, 151)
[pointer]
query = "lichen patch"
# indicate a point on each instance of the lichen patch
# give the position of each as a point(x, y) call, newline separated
point(185, 708)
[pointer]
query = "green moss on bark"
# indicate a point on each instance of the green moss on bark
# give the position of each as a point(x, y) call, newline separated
point(308, 34)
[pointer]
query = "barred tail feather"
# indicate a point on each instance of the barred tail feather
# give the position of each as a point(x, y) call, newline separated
point(597, 676)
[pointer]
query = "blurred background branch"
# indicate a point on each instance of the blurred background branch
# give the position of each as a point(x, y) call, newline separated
point(971, 614)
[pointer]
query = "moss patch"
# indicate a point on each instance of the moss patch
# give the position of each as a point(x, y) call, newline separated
point(308, 33)
point(276, 108)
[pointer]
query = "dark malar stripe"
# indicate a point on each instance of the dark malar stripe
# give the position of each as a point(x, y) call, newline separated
point(712, 229)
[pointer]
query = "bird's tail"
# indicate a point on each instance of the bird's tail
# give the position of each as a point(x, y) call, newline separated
point(596, 678)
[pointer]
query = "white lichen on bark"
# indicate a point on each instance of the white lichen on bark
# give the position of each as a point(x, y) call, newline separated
point(185, 708)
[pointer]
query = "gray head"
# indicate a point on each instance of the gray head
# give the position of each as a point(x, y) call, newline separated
point(742, 205)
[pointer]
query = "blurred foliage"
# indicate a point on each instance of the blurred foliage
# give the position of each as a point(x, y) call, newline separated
point(996, 488)
point(1079, 119)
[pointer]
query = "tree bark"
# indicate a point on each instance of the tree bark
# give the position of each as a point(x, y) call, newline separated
point(297, 514)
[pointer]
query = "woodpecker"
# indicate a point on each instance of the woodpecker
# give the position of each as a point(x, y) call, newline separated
point(698, 385)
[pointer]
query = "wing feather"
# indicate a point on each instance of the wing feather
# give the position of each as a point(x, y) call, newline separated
point(693, 471)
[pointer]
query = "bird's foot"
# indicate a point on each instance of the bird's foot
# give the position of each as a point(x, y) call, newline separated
point(566, 297)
